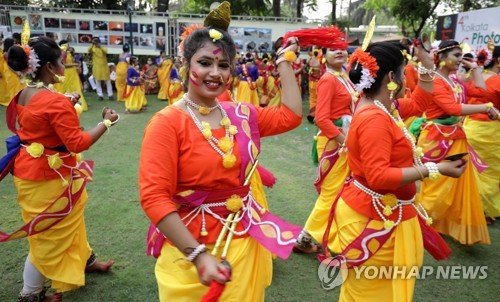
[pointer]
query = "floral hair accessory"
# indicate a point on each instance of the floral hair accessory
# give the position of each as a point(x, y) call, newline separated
point(215, 35)
point(484, 56)
point(33, 61)
point(369, 68)
point(186, 33)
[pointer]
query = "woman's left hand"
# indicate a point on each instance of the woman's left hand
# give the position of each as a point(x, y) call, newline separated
point(73, 97)
point(493, 113)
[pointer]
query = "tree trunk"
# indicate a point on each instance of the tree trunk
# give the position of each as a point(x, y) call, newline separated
point(300, 3)
point(277, 8)
point(163, 5)
point(334, 11)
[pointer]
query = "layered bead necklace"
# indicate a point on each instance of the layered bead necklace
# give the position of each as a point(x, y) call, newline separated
point(384, 205)
point(455, 87)
point(341, 76)
point(223, 146)
point(417, 151)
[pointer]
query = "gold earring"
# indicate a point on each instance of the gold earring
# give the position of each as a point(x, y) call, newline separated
point(391, 86)
point(441, 64)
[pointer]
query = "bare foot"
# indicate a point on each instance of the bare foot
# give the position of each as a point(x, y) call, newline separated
point(100, 267)
point(309, 248)
point(57, 297)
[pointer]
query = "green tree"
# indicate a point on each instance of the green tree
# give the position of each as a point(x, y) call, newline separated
point(411, 14)
point(414, 15)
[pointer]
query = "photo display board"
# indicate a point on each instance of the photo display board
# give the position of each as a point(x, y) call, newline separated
point(112, 31)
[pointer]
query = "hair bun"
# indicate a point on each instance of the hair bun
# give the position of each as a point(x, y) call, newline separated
point(220, 17)
point(17, 58)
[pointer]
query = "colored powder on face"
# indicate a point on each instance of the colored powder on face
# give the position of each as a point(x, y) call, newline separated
point(217, 51)
point(192, 81)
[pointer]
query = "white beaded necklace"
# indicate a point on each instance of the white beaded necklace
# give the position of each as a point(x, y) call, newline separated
point(386, 210)
point(456, 88)
point(41, 85)
point(417, 151)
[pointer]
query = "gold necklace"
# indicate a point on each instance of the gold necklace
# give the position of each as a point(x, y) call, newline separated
point(223, 146)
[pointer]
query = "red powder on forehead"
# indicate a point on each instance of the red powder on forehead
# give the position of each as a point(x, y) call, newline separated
point(217, 51)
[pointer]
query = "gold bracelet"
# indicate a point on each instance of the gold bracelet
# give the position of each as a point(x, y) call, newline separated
point(419, 173)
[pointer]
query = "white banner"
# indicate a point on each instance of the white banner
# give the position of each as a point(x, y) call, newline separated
point(477, 27)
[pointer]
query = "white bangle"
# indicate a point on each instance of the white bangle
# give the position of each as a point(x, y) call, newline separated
point(433, 170)
point(196, 252)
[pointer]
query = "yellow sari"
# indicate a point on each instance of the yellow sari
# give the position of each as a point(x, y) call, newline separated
point(72, 81)
point(164, 79)
point(61, 252)
point(12, 82)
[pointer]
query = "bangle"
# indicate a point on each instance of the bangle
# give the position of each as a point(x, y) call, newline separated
point(419, 173)
point(430, 80)
point(433, 170)
point(489, 105)
point(196, 252)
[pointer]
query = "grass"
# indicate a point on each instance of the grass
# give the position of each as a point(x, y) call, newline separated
point(117, 226)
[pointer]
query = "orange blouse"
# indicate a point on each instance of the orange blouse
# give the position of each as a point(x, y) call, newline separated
point(378, 150)
point(492, 95)
point(334, 100)
point(175, 157)
point(411, 76)
point(51, 120)
point(444, 103)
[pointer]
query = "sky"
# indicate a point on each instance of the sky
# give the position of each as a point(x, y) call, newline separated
point(324, 9)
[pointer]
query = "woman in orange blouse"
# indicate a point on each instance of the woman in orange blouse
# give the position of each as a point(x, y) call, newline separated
point(50, 176)
point(454, 204)
point(193, 160)
point(482, 134)
point(375, 217)
point(336, 98)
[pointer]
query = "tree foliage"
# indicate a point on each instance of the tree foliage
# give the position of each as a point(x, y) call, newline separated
point(238, 7)
point(414, 15)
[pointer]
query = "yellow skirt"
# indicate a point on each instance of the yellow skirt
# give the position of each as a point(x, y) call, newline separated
point(13, 84)
point(313, 94)
point(409, 121)
point(136, 99)
point(251, 274)
point(121, 80)
point(61, 252)
point(276, 100)
point(403, 248)
point(175, 92)
point(454, 203)
point(163, 92)
point(73, 84)
point(246, 95)
point(318, 219)
point(483, 137)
